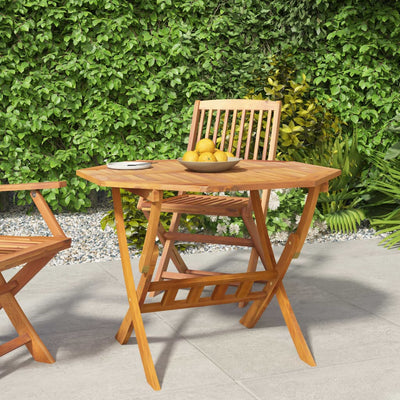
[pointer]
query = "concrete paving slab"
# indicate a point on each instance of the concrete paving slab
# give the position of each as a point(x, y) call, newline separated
point(345, 296)
point(361, 380)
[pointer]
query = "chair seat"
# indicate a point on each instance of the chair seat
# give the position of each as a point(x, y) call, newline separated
point(202, 204)
point(16, 250)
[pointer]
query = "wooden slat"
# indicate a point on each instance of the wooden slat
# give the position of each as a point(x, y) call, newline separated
point(169, 297)
point(266, 135)
point(202, 204)
point(194, 294)
point(249, 134)
point(240, 133)
point(209, 122)
point(219, 292)
point(189, 273)
point(244, 289)
point(232, 133)
point(224, 130)
point(213, 280)
point(258, 133)
point(203, 238)
point(274, 133)
point(32, 186)
point(200, 129)
point(14, 344)
point(26, 249)
point(202, 302)
point(216, 125)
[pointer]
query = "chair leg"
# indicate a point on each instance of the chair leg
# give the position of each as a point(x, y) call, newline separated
point(169, 252)
point(125, 330)
point(24, 328)
point(251, 267)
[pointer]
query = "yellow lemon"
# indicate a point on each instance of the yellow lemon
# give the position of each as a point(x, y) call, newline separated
point(220, 155)
point(207, 156)
point(205, 145)
point(229, 154)
point(190, 156)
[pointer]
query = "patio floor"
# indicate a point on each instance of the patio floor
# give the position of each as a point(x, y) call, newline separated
point(345, 295)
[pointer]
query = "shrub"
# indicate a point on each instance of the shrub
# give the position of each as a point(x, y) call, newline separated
point(383, 196)
point(86, 81)
point(305, 123)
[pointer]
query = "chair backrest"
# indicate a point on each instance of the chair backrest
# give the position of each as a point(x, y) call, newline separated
point(247, 128)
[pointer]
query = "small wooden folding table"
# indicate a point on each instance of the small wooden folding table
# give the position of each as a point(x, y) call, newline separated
point(248, 175)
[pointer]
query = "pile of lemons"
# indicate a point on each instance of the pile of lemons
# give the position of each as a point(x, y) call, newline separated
point(206, 151)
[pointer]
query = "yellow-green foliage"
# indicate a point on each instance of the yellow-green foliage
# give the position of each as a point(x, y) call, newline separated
point(305, 123)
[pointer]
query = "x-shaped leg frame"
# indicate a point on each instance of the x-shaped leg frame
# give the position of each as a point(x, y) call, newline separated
point(34, 260)
point(136, 297)
point(26, 333)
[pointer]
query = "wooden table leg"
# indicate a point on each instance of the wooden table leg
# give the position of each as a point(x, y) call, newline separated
point(294, 243)
point(134, 316)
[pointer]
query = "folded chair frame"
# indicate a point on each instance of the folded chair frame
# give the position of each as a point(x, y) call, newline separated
point(32, 253)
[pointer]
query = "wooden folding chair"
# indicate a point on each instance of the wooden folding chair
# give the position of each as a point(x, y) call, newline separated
point(33, 252)
point(247, 128)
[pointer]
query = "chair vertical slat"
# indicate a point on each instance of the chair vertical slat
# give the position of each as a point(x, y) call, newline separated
point(240, 136)
point(232, 135)
point(216, 125)
point(266, 138)
point(209, 122)
point(273, 143)
point(224, 129)
point(249, 134)
point(258, 134)
point(201, 124)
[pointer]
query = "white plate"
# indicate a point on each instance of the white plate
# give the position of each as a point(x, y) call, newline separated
point(206, 166)
point(129, 165)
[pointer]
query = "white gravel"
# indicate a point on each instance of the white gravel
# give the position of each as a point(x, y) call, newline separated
point(91, 244)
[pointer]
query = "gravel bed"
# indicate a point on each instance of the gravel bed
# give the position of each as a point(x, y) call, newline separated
point(90, 243)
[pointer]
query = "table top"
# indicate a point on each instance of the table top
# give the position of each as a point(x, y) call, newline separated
point(246, 175)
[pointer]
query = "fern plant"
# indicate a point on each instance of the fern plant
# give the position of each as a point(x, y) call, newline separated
point(385, 195)
point(340, 212)
point(342, 205)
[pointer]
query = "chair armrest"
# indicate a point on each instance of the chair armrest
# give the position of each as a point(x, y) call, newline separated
point(32, 186)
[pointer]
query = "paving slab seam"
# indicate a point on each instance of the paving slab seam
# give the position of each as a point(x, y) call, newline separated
point(346, 301)
point(243, 381)
point(245, 388)
point(197, 348)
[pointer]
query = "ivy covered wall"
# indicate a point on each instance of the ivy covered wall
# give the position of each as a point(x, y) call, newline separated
point(84, 81)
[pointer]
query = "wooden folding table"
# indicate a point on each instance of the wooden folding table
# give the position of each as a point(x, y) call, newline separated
point(248, 175)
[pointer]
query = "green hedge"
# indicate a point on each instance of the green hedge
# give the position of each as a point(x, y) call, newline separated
point(85, 81)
